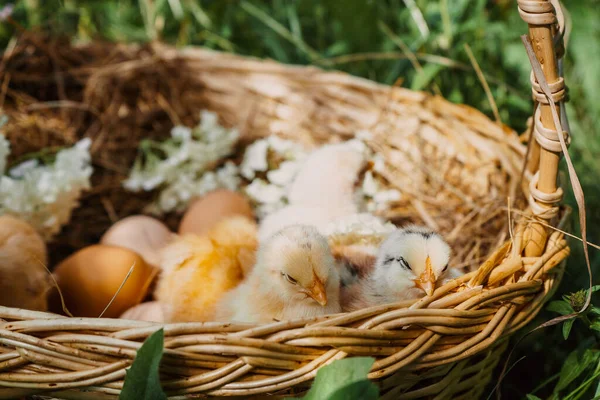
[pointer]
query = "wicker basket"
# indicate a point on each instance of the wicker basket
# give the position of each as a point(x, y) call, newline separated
point(442, 347)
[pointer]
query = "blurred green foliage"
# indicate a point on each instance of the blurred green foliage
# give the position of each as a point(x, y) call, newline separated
point(380, 40)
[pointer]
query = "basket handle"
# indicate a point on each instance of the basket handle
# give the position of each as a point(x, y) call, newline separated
point(546, 29)
point(553, 93)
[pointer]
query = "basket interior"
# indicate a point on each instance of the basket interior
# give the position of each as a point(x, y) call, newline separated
point(454, 167)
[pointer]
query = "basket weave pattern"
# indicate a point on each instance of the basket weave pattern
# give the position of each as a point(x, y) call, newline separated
point(442, 347)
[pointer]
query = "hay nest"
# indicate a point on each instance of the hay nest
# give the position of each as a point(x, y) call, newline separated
point(455, 168)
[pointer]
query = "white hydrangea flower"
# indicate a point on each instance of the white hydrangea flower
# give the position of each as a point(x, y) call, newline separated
point(287, 149)
point(383, 198)
point(378, 163)
point(263, 192)
point(387, 196)
point(19, 171)
point(209, 120)
point(228, 176)
point(181, 167)
point(369, 185)
point(255, 159)
point(45, 195)
point(285, 174)
point(182, 133)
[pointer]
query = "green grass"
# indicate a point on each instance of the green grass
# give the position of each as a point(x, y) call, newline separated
point(377, 40)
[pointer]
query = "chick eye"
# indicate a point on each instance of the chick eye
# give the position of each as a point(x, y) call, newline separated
point(289, 279)
point(404, 264)
point(445, 268)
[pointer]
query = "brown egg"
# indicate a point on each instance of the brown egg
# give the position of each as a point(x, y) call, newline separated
point(24, 281)
point(90, 278)
point(142, 234)
point(205, 212)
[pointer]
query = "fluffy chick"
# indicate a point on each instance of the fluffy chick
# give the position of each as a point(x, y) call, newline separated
point(292, 214)
point(198, 270)
point(294, 277)
point(411, 262)
point(24, 282)
point(327, 177)
point(322, 191)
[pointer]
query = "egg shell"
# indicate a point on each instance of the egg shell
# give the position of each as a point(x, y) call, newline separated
point(150, 311)
point(90, 278)
point(215, 206)
point(24, 281)
point(141, 234)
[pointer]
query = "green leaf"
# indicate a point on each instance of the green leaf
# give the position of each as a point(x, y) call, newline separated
point(361, 390)
point(595, 325)
point(595, 288)
point(594, 310)
point(424, 77)
point(336, 379)
point(574, 367)
point(567, 327)
point(532, 397)
point(142, 380)
point(561, 307)
point(584, 48)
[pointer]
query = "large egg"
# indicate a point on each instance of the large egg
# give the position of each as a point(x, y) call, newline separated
point(90, 278)
point(24, 281)
point(205, 212)
point(142, 234)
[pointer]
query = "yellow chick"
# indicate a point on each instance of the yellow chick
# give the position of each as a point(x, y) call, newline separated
point(24, 282)
point(295, 277)
point(198, 270)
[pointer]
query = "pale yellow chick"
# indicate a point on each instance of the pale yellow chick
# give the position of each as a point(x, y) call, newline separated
point(322, 191)
point(198, 270)
point(295, 277)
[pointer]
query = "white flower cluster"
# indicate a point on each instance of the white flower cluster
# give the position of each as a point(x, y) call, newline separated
point(270, 194)
point(45, 195)
point(371, 191)
point(182, 166)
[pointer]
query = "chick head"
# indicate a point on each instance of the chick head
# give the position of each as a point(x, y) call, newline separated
point(299, 261)
point(412, 260)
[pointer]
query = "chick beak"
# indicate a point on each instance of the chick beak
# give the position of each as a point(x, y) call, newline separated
point(427, 279)
point(318, 293)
